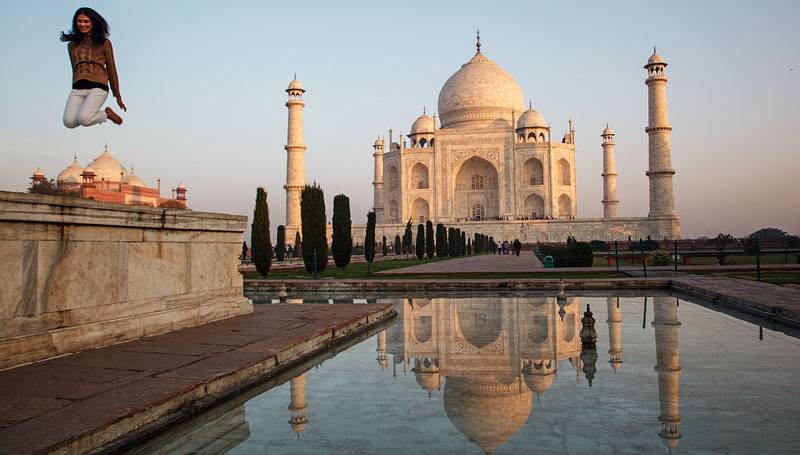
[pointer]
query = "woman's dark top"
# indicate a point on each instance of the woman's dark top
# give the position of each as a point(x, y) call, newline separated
point(84, 84)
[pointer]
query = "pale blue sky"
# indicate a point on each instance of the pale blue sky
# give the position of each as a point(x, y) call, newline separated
point(204, 84)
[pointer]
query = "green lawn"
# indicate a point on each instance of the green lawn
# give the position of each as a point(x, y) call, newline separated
point(779, 278)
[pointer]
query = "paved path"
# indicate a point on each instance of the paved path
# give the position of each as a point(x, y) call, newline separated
point(85, 400)
point(767, 300)
point(484, 263)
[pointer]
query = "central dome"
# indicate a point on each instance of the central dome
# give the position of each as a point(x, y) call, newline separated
point(480, 91)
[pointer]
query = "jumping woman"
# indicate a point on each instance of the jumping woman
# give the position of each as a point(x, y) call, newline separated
point(93, 68)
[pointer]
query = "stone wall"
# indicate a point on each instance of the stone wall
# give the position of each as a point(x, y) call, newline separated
point(532, 231)
point(78, 274)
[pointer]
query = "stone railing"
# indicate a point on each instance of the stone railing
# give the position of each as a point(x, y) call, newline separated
point(77, 274)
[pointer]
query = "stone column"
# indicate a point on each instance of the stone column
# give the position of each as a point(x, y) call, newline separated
point(610, 201)
point(668, 368)
point(660, 171)
point(377, 183)
point(298, 409)
point(295, 158)
point(614, 332)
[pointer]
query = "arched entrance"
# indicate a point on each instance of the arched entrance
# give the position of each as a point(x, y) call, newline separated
point(476, 190)
point(534, 206)
point(420, 210)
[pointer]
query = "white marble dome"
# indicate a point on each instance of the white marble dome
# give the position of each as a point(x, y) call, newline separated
point(71, 174)
point(480, 91)
point(106, 167)
point(531, 119)
point(655, 59)
point(134, 180)
point(423, 124)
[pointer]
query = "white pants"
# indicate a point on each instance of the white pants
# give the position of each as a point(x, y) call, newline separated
point(85, 107)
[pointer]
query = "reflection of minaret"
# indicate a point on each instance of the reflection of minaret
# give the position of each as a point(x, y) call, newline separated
point(298, 410)
point(383, 357)
point(614, 333)
point(668, 368)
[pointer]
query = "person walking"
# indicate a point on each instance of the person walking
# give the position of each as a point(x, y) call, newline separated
point(93, 70)
point(244, 250)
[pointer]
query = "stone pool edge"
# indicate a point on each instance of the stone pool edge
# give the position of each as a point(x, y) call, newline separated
point(771, 302)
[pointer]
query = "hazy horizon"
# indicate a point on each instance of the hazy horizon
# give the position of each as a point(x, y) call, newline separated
point(204, 86)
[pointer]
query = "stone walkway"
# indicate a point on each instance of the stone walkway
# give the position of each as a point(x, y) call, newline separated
point(83, 401)
point(484, 263)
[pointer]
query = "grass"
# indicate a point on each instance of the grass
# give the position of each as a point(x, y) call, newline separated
point(359, 271)
point(766, 259)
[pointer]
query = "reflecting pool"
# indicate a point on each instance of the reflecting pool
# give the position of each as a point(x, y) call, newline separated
point(509, 375)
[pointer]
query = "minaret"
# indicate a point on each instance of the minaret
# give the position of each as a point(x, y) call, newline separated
point(614, 332)
point(660, 173)
point(383, 357)
point(298, 410)
point(295, 157)
point(377, 183)
point(668, 368)
point(610, 201)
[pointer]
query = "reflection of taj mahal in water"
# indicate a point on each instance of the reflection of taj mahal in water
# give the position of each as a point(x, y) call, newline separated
point(490, 357)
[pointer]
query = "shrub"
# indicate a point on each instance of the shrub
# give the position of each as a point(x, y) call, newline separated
point(342, 241)
point(420, 250)
point(384, 247)
point(661, 257)
point(312, 215)
point(441, 241)
point(260, 243)
point(369, 239)
point(574, 254)
point(280, 247)
point(398, 246)
point(430, 244)
point(599, 245)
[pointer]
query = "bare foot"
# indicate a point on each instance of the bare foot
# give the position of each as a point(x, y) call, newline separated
point(113, 116)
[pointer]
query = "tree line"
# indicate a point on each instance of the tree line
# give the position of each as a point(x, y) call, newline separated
point(312, 244)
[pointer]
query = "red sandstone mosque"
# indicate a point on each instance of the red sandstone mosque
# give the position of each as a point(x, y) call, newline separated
point(106, 180)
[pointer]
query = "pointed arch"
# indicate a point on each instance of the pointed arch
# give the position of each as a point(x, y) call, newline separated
point(564, 207)
point(533, 172)
point(419, 177)
point(564, 172)
point(420, 210)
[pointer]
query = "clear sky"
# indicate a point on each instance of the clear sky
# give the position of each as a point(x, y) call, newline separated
point(204, 84)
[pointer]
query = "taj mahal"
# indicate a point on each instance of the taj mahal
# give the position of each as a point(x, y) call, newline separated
point(487, 164)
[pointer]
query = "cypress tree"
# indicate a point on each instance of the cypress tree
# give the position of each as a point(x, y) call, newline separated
point(260, 243)
point(441, 241)
point(312, 216)
point(469, 246)
point(407, 239)
point(369, 240)
point(342, 242)
point(280, 248)
point(429, 241)
point(463, 241)
point(451, 234)
point(397, 246)
point(384, 248)
point(420, 241)
point(298, 248)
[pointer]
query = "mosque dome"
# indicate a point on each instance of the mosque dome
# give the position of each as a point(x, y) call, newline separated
point(423, 124)
point(106, 167)
point(531, 119)
point(133, 179)
point(487, 413)
point(295, 85)
point(608, 131)
point(480, 91)
point(71, 174)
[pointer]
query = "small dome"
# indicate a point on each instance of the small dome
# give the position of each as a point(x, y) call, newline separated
point(608, 131)
point(89, 170)
point(531, 119)
point(295, 85)
point(38, 172)
point(378, 142)
point(134, 180)
point(655, 59)
point(539, 375)
point(71, 174)
point(181, 187)
point(106, 167)
point(423, 124)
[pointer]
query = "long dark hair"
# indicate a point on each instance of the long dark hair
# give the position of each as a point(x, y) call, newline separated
point(100, 28)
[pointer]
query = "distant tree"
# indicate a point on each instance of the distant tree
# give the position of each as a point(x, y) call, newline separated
point(260, 243)
point(384, 248)
point(280, 244)
point(369, 240)
point(342, 241)
point(430, 243)
point(298, 245)
point(315, 240)
point(722, 240)
point(769, 235)
point(420, 241)
point(792, 241)
point(750, 244)
point(451, 242)
point(463, 243)
point(398, 246)
point(469, 246)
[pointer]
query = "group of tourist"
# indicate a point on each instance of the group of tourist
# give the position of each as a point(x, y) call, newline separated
point(291, 252)
point(507, 247)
